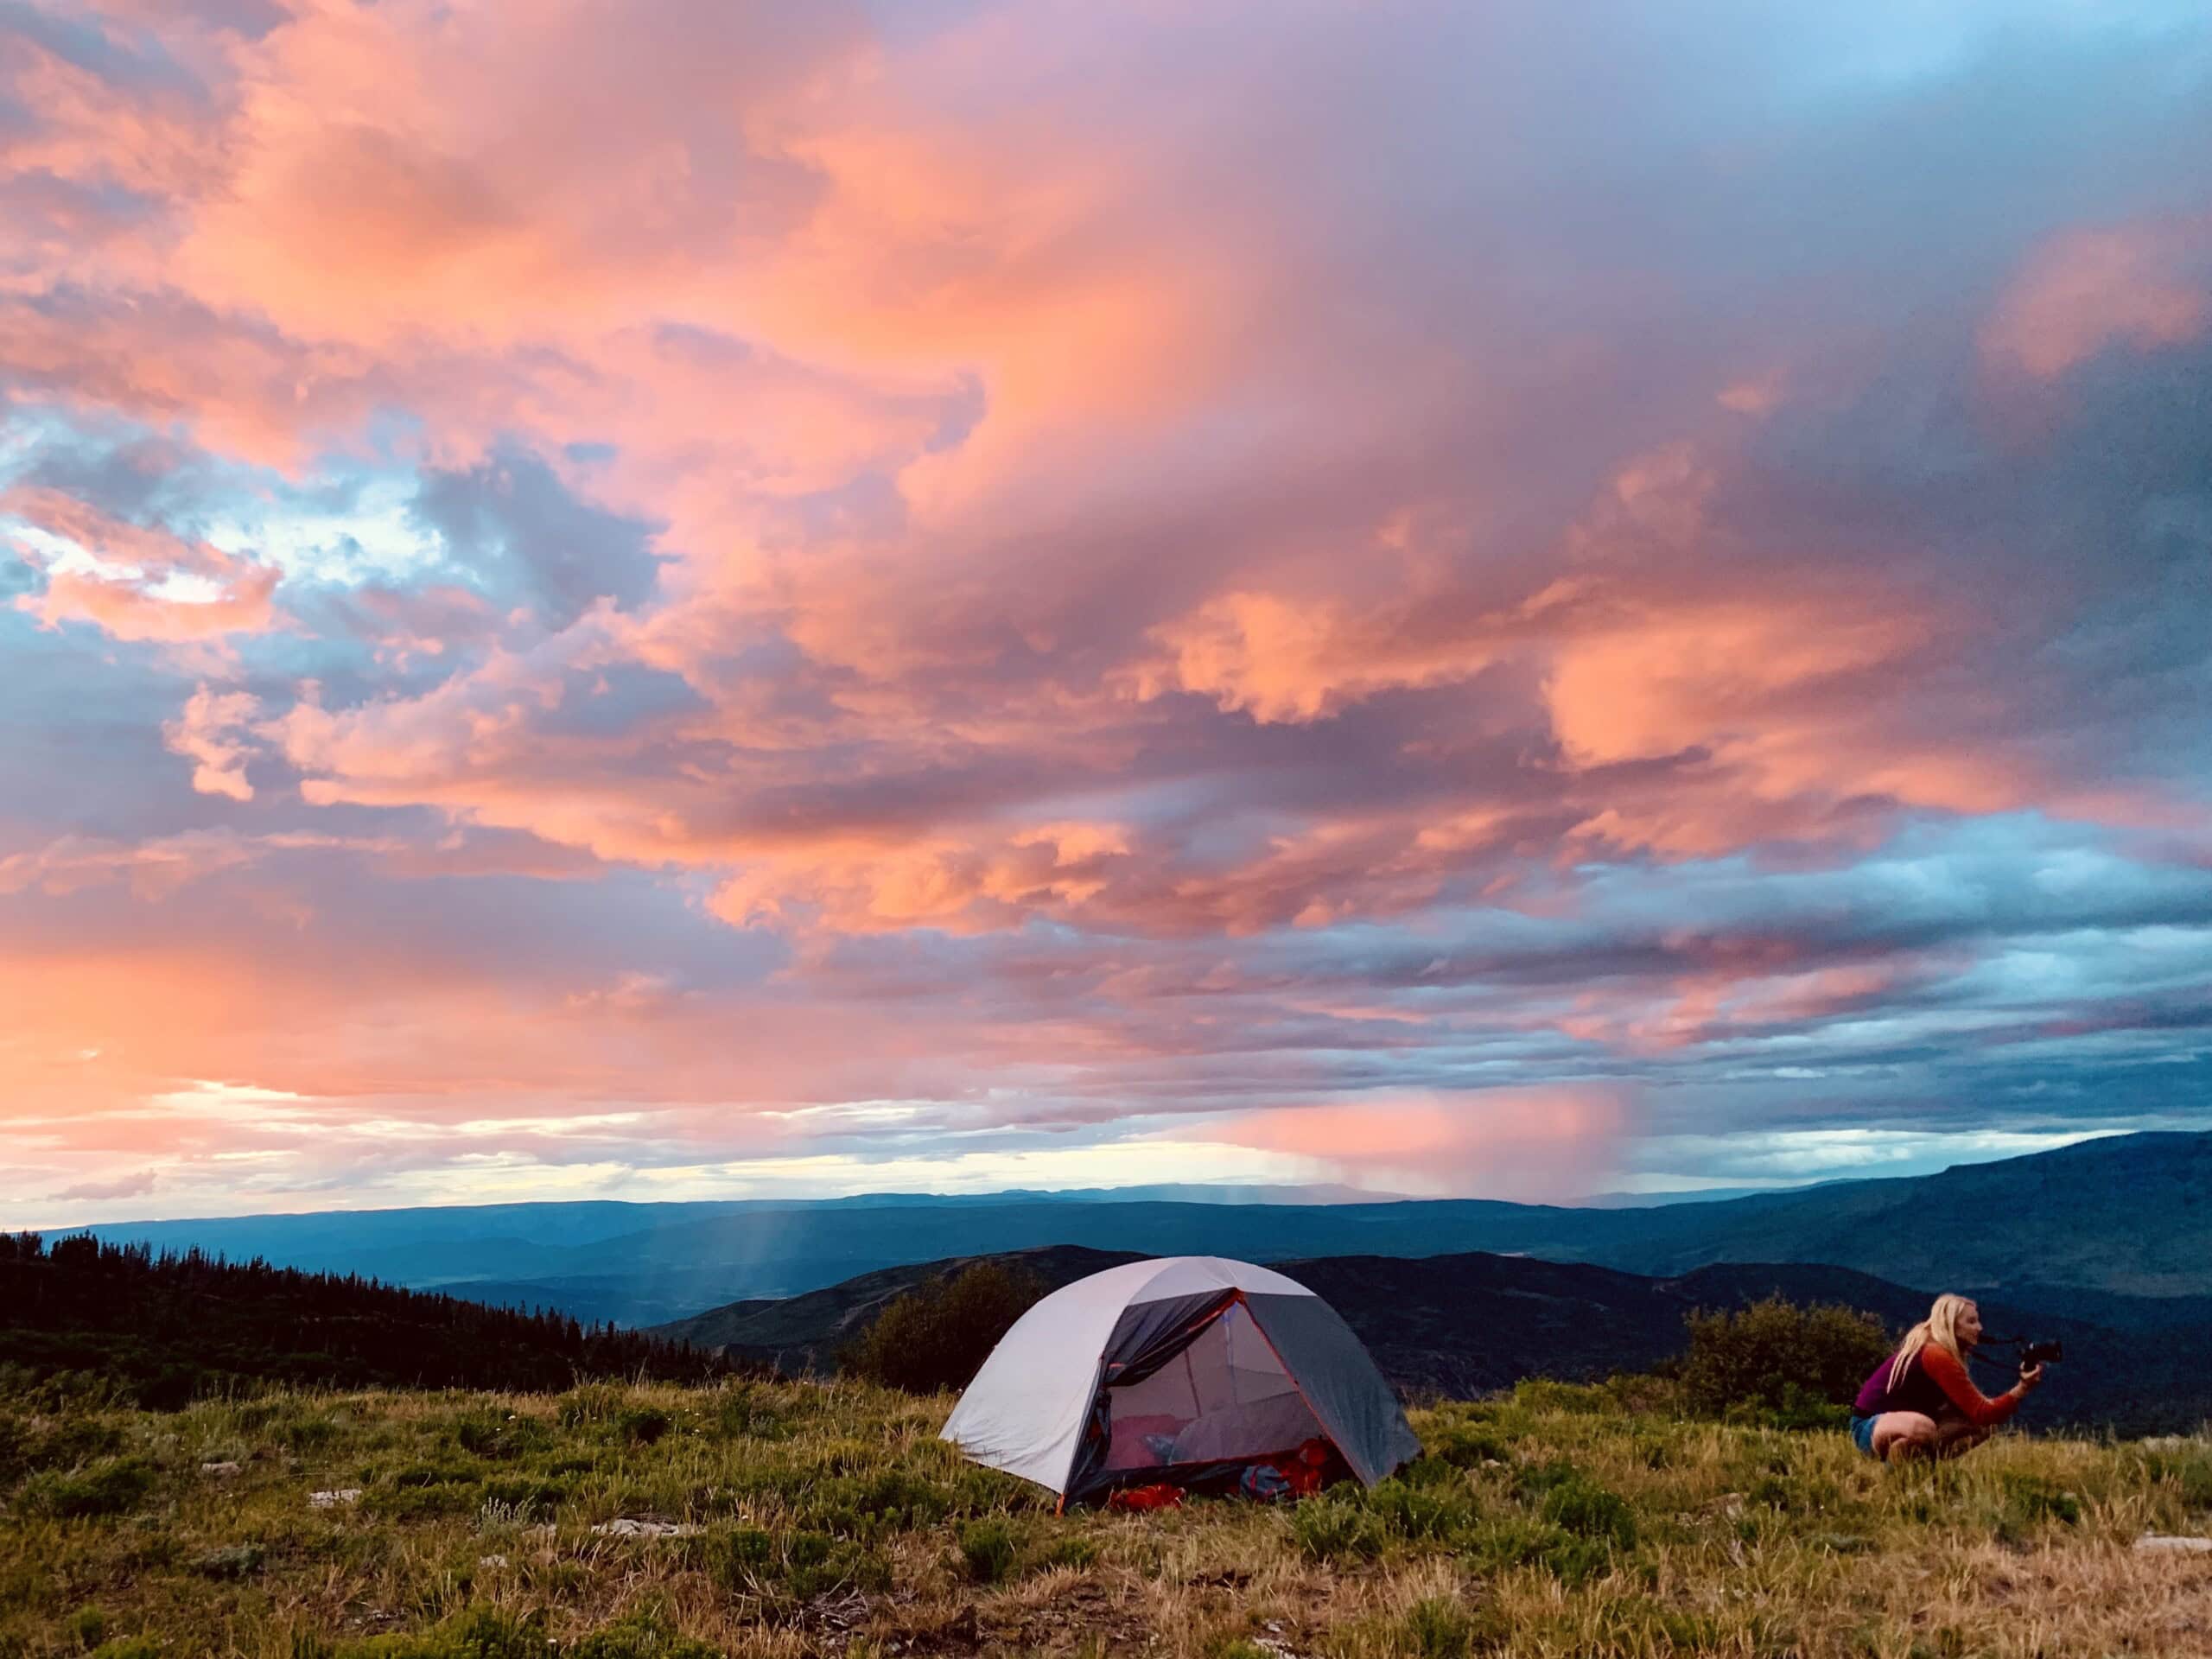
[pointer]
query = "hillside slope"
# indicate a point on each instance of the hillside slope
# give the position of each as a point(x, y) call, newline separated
point(799, 1335)
point(1468, 1324)
point(828, 1523)
point(163, 1330)
point(2128, 1216)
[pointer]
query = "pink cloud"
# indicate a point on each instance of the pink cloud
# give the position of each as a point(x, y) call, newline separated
point(1139, 552)
point(2147, 284)
point(153, 869)
point(208, 733)
point(1282, 659)
point(133, 583)
point(1545, 1143)
point(125, 1186)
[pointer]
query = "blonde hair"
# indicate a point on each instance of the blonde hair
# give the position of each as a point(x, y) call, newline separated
point(1940, 1327)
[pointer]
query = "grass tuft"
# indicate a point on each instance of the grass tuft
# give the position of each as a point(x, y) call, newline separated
point(112, 1486)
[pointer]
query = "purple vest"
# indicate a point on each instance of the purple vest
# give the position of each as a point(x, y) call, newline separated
point(1915, 1391)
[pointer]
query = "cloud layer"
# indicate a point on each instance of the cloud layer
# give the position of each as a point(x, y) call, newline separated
point(653, 599)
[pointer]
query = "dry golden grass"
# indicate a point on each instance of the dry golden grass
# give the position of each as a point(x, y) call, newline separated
point(830, 1520)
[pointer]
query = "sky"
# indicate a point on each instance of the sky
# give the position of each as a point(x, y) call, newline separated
point(653, 599)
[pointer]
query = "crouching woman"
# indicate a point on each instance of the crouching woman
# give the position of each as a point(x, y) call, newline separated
point(1920, 1403)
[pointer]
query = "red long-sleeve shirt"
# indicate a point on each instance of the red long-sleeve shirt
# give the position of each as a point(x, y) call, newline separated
point(1958, 1388)
point(1935, 1376)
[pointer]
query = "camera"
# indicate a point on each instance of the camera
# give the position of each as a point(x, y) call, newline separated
point(2035, 1353)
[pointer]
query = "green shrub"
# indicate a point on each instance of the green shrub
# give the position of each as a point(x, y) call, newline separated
point(2030, 1499)
point(72, 1441)
point(595, 1402)
point(642, 1635)
point(498, 1435)
point(749, 1412)
point(987, 1551)
point(1545, 1394)
point(1426, 1471)
point(22, 1585)
point(642, 1425)
point(937, 1335)
point(1588, 1511)
point(86, 1626)
point(1068, 1552)
point(1531, 1481)
point(781, 1572)
point(1576, 1561)
point(1436, 1627)
point(306, 1434)
point(1466, 1445)
point(1779, 1358)
point(420, 1502)
point(521, 1492)
point(2187, 1464)
point(1520, 1541)
point(1335, 1529)
point(435, 1474)
point(232, 1561)
point(902, 1500)
point(891, 1500)
point(107, 1488)
point(1420, 1514)
point(1442, 1627)
point(479, 1633)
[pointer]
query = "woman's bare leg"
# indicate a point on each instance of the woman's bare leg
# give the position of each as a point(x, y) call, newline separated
point(1900, 1435)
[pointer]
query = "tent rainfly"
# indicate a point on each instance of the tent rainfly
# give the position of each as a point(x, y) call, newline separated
point(1176, 1369)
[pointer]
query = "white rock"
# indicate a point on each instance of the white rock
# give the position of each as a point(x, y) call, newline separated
point(626, 1528)
point(2177, 1545)
point(491, 1560)
point(331, 1500)
point(224, 1468)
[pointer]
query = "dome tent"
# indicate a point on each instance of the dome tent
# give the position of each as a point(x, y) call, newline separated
point(1176, 1369)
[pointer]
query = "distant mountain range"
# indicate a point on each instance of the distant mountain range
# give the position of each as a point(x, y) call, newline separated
point(2117, 1229)
point(1464, 1324)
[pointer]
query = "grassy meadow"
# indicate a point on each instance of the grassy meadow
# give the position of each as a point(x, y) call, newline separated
point(829, 1519)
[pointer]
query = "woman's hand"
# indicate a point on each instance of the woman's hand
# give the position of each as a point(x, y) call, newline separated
point(2029, 1377)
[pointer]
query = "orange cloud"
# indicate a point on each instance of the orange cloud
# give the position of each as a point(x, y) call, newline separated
point(960, 886)
point(411, 168)
point(1278, 659)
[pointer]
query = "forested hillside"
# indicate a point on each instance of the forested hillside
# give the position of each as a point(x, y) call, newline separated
point(162, 1330)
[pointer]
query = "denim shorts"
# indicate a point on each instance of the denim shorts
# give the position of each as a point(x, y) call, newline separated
point(1862, 1433)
